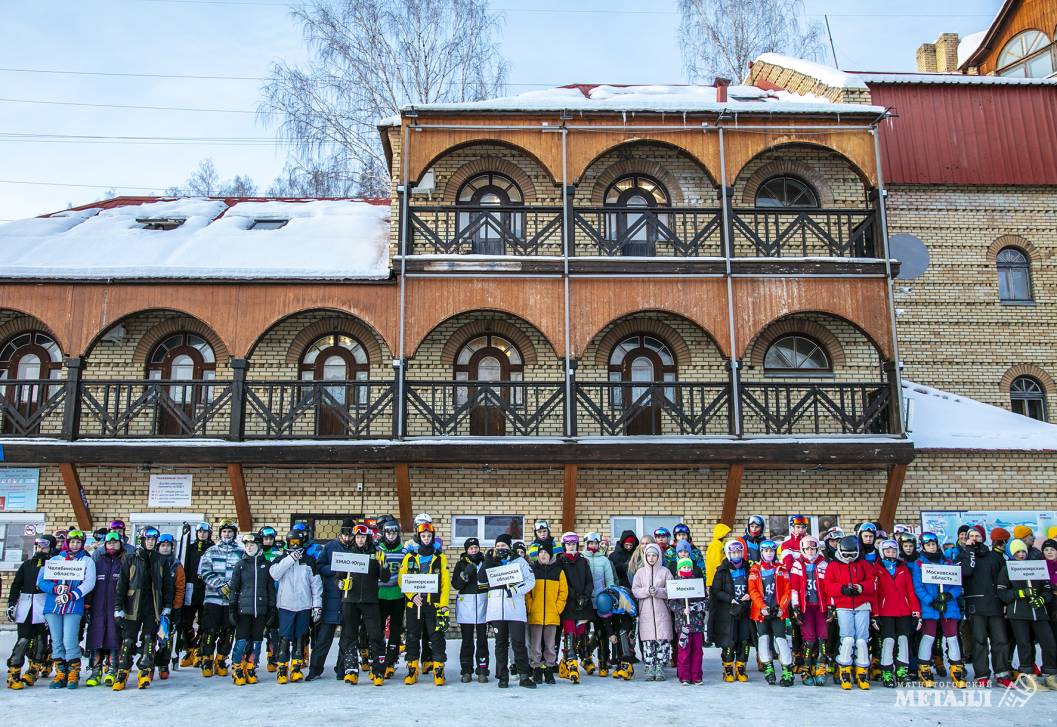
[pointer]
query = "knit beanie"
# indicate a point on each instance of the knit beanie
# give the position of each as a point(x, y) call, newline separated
point(999, 535)
point(1022, 531)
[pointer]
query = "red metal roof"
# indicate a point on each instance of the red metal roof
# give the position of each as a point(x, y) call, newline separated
point(968, 134)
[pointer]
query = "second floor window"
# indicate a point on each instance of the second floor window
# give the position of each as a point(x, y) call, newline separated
point(636, 232)
point(1014, 276)
point(488, 359)
point(490, 231)
point(182, 357)
point(1028, 55)
point(798, 354)
point(1027, 397)
point(786, 192)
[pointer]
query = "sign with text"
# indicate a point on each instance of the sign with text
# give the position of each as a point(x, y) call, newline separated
point(350, 562)
point(941, 575)
point(1027, 570)
point(18, 488)
point(411, 583)
point(65, 570)
point(504, 575)
point(169, 491)
point(686, 588)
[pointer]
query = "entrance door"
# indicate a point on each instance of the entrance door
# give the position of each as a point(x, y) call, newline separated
point(487, 359)
point(641, 362)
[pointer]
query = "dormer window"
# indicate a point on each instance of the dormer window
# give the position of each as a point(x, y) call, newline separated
point(268, 224)
point(160, 223)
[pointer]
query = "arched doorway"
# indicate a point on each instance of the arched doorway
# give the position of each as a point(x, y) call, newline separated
point(486, 359)
point(639, 361)
point(490, 229)
point(28, 358)
point(341, 359)
point(636, 232)
point(183, 361)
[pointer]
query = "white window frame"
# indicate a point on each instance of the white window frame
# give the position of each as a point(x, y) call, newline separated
point(485, 543)
point(813, 529)
point(166, 522)
point(20, 520)
point(613, 535)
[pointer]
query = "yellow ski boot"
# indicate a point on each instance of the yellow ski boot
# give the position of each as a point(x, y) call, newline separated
point(238, 674)
point(295, 670)
point(119, 680)
point(283, 676)
point(144, 678)
point(739, 671)
point(844, 677)
point(352, 677)
point(189, 658)
point(412, 672)
point(925, 675)
point(862, 677)
point(438, 673)
point(14, 678)
point(377, 679)
point(728, 671)
point(220, 666)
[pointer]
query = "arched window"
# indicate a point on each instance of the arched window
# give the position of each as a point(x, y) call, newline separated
point(796, 353)
point(28, 357)
point(489, 231)
point(339, 358)
point(1027, 397)
point(785, 191)
point(182, 357)
point(485, 359)
point(1014, 275)
point(636, 233)
point(641, 359)
point(1027, 55)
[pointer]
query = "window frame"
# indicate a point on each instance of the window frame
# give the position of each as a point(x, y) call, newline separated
point(1021, 63)
point(1006, 270)
point(786, 178)
point(799, 372)
point(456, 541)
point(19, 519)
point(1026, 398)
point(614, 534)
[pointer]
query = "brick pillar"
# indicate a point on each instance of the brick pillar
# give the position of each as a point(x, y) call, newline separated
point(947, 52)
point(927, 58)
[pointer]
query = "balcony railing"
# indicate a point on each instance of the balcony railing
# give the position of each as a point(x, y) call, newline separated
point(345, 410)
point(643, 232)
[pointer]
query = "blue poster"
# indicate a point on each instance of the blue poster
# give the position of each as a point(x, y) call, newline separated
point(942, 522)
point(18, 488)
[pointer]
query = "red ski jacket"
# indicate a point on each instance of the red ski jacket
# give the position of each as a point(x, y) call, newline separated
point(840, 574)
point(781, 587)
point(798, 579)
point(895, 593)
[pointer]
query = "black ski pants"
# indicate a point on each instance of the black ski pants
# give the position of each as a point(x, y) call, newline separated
point(422, 626)
point(393, 610)
point(474, 638)
point(1029, 633)
point(510, 634)
point(991, 629)
point(352, 616)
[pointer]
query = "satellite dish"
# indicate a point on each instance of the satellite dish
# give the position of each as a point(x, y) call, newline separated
point(911, 253)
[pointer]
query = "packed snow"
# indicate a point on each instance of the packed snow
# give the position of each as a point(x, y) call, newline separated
point(323, 239)
point(823, 73)
point(968, 45)
point(942, 420)
point(188, 699)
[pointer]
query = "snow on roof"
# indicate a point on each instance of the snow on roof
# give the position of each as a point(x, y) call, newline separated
point(942, 420)
point(657, 99)
point(952, 79)
point(324, 239)
point(828, 75)
point(968, 45)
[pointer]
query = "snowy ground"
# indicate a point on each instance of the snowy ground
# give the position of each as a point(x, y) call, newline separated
point(188, 699)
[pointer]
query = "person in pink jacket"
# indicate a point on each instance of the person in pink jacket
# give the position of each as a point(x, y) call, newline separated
point(649, 587)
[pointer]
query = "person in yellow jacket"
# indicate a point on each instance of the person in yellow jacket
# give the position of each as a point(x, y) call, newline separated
point(545, 603)
point(714, 553)
point(426, 612)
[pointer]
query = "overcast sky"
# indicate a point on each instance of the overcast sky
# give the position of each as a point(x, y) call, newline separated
point(622, 42)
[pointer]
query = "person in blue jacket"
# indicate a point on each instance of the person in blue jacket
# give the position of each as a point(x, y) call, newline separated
point(323, 632)
point(63, 609)
point(939, 614)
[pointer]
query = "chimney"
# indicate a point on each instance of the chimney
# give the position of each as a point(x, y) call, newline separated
point(927, 58)
point(721, 89)
point(947, 52)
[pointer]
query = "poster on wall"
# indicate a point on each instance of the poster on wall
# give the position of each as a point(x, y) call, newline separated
point(945, 522)
point(169, 491)
point(18, 488)
point(942, 522)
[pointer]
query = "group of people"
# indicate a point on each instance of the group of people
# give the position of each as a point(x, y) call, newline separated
point(851, 608)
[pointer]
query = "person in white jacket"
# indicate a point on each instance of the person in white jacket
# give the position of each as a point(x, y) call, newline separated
point(299, 598)
point(507, 613)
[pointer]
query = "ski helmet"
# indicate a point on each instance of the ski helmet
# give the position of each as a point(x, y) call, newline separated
point(928, 537)
point(734, 545)
point(848, 549)
point(117, 524)
point(295, 539)
point(593, 537)
point(251, 537)
point(391, 527)
point(757, 520)
point(681, 528)
point(866, 526)
point(799, 520)
point(148, 532)
point(266, 532)
point(662, 533)
point(833, 533)
point(424, 527)
point(75, 534)
point(166, 538)
point(809, 541)
point(228, 525)
point(888, 543)
point(361, 529)
point(541, 525)
point(907, 537)
point(204, 527)
point(570, 537)
point(112, 537)
point(423, 518)
point(604, 604)
point(768, 545)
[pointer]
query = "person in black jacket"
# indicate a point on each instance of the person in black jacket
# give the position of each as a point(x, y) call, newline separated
point(729, 624)
point(144, 598)
point(25, 608)
point(196, 593)
point(579, 610)
point(359, 603)
point(1026, 603)
point(981, 570)
point(621, 555)
point(253, 601)
point(471, 612)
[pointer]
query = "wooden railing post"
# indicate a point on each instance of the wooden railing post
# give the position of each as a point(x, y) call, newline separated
point(895, 399)
point(237, 425)
point(71, 412)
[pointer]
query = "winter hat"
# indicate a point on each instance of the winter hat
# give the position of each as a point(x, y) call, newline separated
point(470, 541)
point(1022, 531)
point(503, 538)
point(683, 546)
point(964, 529)
point(1049, 543)
point(999, 535)
point(629, 538)
point(1016, 546)
point(652, 548)
point(979, 529)
point(1051, 534)
point(684, 567)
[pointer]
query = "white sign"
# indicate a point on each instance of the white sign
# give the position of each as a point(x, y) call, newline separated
point(350, 562)
point(941, 575)
point(504, 575)
point(686, 587)
point(1027, 570)
point(169, 491)
point(411, 583)
point(67, 570)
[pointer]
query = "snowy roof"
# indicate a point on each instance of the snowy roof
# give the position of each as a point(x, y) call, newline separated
point(968, 45)
point(591, 98)
point(961, 79)
point(828, 75)
point(323, 239)
point(942, 420)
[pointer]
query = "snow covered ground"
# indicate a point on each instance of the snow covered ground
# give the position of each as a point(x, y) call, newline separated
point(187, 699)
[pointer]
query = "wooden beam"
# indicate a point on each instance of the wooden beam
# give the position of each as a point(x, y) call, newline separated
point(78, 500)
point(731, 495)
point(893, 489)
point(242, 500)
point(569, 498)
point(403, 494)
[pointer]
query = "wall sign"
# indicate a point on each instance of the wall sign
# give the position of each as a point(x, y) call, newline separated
point(18, 488)
point(169, 491)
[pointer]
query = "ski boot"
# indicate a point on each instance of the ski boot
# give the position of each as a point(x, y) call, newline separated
point(238, 673)
point(728, 671)
point(59, 680)
point(807, 673)
point(937, 662)
point(108, 675)
point(427, 667)
point(537, 674)
point(163, 670)
point(34, 671)
point(739, 671)
point(902, 674)
point(844, 677)
point(73, 674)
point(526, 681)
point(482, 677)
point(820, 675)
point(120, 680)
point(1004, 681)
point(220, 666)
point(377, 679)
point(572, 671)
point(958, 675)
point(862, 677)
point(273, 664)
point(207, 666)
point(284, 673)
point(352, 677)
point(768, 673)
point(412, 672)
point(1051, 681)
point(888, 677)
point(189, 658)
point(95, 676)
point(548, 675)
point(389, 671)
point(603, 668)
point(438, 673)
point(251, 672)
point(875, 669)
point(563, 670)
point(365, 660)
point(295, 670)
point(624, 671)
point(144, 678)
point(589, 665)
point(658, 673)
point(14, 678)
point(787, 676)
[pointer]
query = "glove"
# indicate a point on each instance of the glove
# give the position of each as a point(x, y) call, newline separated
point(797, 615)
point(62, 599)
point(60, 588)
point(225, 591)
point(848, 589)
point(831, 613)
point(317, 613)
point(511, 590)
point(11, 613)
point(944, 597)
point(1027, 593)
point(118, 615)
point(443, 619)
point(1037, 601)
point(296, 554)
point(875, 624)
point(938, 604)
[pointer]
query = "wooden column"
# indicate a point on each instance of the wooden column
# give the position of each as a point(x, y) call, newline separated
point(893, 489)
point(731, 495)
point(403, 494)
point(75, 492)
point(242, 500)
point(569, 498)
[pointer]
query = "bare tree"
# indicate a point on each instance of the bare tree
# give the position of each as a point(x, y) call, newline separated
point(721, 37)
point(205, 182)
point(368, 59)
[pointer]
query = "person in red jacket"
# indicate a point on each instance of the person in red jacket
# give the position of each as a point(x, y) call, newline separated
point(798, 527)
point(769, 591)
point(898, 612)
point(807, 609)
point(849, 589)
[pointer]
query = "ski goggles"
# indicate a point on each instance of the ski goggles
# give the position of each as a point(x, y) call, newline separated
point(150, 532)
point(42, 543)
point(75, 535)
point(361, 530)
point(166, 538)
point(799, 520)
